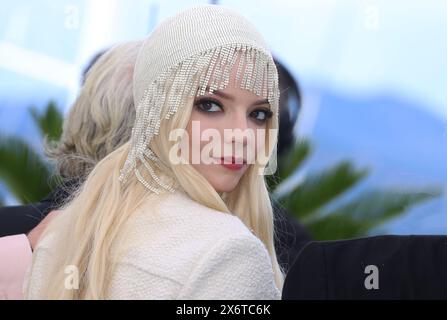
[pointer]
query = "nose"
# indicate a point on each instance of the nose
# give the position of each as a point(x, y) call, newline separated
point(238, 128)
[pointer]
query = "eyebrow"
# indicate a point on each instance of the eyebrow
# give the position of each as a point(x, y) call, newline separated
point(231, 98)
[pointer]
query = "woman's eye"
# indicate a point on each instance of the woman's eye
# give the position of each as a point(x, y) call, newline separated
point(208, 106)
point(261, 115)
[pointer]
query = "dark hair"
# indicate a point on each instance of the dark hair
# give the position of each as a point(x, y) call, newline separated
point(289, 106)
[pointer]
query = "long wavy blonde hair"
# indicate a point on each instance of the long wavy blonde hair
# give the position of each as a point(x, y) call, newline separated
point(84, 233)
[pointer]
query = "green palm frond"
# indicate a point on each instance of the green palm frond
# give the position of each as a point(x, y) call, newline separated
point(309, 201)
point(369, 210)
point(293, 159)
point(337, 227)
point(49, 121)
point(320, 189)
point(22, 170)
point(288, 163)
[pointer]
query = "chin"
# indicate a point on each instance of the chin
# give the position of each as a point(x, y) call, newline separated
point(221, 179)
point(225, 186)
point(222, 182)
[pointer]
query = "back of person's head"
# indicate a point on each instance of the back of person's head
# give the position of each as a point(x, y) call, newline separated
point(102, 116)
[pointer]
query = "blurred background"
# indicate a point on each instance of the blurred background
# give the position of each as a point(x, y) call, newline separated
point(371, 128)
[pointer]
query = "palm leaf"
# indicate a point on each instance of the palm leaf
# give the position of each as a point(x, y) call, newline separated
point(336, 227)
point(49, 121)
point(320, 189)
point(289, 163)
point(369, 210)
point(23, 171)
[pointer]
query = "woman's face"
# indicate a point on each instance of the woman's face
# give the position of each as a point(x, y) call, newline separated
point(239, 117)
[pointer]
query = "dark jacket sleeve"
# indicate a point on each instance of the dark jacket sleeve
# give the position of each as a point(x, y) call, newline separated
point(380, 267)
point(22, 219)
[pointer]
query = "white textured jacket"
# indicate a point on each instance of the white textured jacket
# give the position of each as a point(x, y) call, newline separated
point(182, 250)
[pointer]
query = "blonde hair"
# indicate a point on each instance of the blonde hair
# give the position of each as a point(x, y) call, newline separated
point(102, 116)
point(96, 216)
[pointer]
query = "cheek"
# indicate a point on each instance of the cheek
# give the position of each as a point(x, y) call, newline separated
point(197, 140)
point(201, 122)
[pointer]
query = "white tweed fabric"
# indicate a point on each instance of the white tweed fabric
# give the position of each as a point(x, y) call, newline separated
point(181, 250)
point(187, 55)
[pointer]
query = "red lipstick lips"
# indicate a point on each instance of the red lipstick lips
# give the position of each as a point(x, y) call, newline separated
point(231, 163)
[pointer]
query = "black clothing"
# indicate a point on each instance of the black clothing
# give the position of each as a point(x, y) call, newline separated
point(381, 267)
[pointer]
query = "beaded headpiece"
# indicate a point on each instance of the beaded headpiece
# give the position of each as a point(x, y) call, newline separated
point(192, 53)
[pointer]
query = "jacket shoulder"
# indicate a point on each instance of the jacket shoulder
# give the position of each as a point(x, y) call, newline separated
point(170, 237)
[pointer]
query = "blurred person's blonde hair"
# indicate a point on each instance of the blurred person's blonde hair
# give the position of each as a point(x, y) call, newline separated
point(102, 116)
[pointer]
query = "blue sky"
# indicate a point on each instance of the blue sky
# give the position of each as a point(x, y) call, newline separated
point(354, 47)
point(358, 47)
